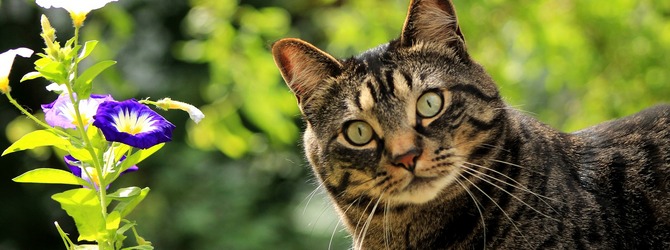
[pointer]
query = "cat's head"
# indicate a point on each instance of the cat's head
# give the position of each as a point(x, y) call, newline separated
point(398, 122)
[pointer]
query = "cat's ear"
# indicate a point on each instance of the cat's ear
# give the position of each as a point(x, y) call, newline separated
point(432, 21)
point(303, 66)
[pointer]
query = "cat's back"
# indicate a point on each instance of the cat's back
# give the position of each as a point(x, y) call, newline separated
point(625, 164)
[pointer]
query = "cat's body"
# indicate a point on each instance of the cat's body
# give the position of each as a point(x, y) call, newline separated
point(418, 151)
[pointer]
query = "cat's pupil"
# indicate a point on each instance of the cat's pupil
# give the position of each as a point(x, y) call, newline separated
point(429, 104)
point(358, 133)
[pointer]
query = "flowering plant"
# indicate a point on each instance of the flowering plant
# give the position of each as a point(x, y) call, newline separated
point(104, 138)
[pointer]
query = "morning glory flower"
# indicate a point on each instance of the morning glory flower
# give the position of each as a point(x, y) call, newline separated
point(61, 113)
point(194, 113)
point(6, 61)
point(83, 170)
point(132, 123)
point(78, 9)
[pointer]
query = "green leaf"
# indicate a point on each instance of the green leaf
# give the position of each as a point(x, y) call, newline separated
point(51, 70)
point(30, 76)
point(84, 207)
point(139, 156)
point(113, 221)
point(38, 138)
point(125, 194)
point(127, 206)
point(88, 48)
point(83, 84)
point(50, 176)
point(144, 153)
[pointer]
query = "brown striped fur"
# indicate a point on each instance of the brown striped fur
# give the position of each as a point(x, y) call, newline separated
point(477, 173)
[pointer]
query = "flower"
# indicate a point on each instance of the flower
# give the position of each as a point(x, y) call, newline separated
point(83, 170)
point(78, 8)
point(58, 88)
point(194, 113)
point(6, 61)
point(61, 113)
point(132, 123)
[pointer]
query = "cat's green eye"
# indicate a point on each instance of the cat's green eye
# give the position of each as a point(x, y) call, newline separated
point(358, 133)
point(429, 104)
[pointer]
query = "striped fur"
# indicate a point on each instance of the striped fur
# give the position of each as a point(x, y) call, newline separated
point(473, 173)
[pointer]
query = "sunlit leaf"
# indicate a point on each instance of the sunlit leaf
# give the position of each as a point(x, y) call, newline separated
point(83, 206)
point(139, 156)
point(126, 206)
point(113, 221)
point(38, 138)
point(50, 176)
point(51, 70)
point(30, 76)
point(82, 86)
point(125, 194)
point(87, 49)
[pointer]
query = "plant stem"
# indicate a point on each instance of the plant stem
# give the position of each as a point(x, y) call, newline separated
point(32, 117)
point(97, 163)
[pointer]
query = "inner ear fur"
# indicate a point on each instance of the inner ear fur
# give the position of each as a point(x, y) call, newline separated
point(303, 66)
point(432, 21)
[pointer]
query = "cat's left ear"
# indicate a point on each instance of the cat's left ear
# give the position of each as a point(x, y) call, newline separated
point(303, 66)
point(432, 21)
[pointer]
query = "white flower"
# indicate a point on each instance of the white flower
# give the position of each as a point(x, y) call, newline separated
point(58, 88)
point(194, 113)
point(6, 61)
point(78, 8)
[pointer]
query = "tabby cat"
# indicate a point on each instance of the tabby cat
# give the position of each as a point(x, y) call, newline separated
point(417, 150)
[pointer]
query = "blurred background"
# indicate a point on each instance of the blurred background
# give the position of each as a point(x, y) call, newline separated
point(238, 179)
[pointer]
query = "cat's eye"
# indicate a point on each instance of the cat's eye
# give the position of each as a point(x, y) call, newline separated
point(429, 104)
point(358, 133)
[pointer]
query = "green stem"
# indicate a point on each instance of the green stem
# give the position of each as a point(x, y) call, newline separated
point(32, 117)
point(97, 163)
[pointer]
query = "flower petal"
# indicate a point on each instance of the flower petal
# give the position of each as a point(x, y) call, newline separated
point(6, 61)
point(76, 6)
point(61, 113)
point(194, 113)
point(132, 123)
point(76, 167)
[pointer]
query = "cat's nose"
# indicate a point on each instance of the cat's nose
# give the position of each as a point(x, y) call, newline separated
point(407, 160)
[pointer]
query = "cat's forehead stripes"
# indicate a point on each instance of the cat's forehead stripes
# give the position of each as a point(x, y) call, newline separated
point(367, 97)
point(383, 86)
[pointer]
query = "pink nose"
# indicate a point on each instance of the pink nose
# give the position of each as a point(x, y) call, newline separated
point(407, 160)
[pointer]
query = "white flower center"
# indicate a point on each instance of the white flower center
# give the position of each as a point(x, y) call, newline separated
point(132, 123)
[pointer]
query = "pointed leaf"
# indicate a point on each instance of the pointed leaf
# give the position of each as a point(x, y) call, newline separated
point(50, 176)
point(51, 70)
point(83, 206)
point(138, 156)
point(113, 221)
point(38, 138)
point(125, 207)
point(30, 76)
point(83, 84)
point(125, 194)
point(88, 48)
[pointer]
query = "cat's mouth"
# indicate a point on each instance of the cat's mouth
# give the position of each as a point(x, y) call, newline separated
point(418, 182)
point(422, 189)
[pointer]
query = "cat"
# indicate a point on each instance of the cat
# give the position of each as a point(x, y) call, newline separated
point(417, 150)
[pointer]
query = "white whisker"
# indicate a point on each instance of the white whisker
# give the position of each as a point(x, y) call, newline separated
point(501, 209)
point(474, 173)
point(477, 205)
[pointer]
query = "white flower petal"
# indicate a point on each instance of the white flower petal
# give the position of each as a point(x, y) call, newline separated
point(74, 6)
point(7, 59)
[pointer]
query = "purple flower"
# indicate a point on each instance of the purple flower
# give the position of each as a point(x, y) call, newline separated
point(60, 113)
point(132, 123)
point(77, 167)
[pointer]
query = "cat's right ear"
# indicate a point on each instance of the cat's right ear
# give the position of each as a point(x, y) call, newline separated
point(303, 66)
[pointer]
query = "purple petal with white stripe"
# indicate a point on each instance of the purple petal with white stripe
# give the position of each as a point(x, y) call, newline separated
point(132, 123)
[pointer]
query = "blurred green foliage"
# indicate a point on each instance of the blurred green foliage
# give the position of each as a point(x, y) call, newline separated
point(238, 180)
